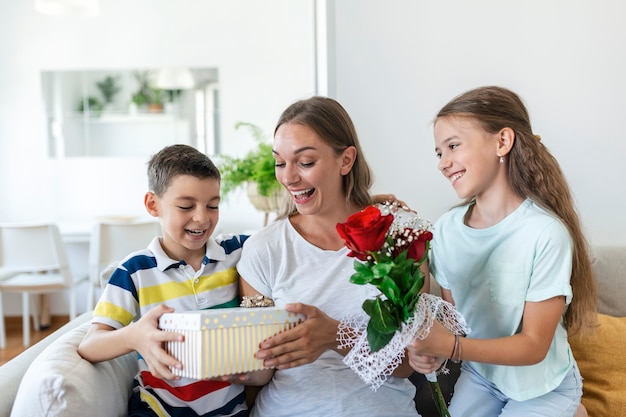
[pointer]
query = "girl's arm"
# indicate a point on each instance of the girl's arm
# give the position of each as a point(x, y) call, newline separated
point(528, 347)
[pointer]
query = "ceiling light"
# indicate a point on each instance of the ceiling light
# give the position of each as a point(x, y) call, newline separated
point(175, 79)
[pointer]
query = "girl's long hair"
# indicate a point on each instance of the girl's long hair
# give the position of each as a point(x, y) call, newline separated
point(535, 173)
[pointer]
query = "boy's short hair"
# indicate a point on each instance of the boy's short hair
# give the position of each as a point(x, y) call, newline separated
point(178, 160)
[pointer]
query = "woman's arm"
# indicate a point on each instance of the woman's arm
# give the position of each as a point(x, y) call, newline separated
point(426, 271)
point(304, 343)
point(391, 199)
point(447, 295)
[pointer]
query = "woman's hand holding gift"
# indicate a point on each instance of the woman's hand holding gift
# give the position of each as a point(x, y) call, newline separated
point(304, 343)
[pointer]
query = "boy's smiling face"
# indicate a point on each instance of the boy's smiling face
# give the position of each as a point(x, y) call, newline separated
point(188, 211)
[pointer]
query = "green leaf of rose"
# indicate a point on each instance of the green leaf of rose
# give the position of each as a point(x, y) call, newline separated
point(368, 307)
point(381, 270)
point(362, 268)
point(418, 283)
point(401, 274)
point(363, 274)
point(390, 289)
point(376, 339)
point(361, 279)
point(383, 317)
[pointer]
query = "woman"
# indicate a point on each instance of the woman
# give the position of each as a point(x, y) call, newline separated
point(301, 263)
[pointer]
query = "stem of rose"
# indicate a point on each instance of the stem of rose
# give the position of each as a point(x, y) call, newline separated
point(435, 389)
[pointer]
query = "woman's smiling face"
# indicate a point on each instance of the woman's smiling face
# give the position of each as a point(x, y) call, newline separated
point(308, 168)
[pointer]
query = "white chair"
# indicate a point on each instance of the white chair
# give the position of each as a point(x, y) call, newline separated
point(112, 241)
point(34, 262)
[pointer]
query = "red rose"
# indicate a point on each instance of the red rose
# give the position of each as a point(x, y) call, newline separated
point(417, 249)
point(365, 232)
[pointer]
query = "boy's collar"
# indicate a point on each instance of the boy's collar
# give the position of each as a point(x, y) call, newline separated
point(213, 252)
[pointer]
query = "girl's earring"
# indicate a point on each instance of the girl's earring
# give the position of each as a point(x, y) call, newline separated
point(502, 159)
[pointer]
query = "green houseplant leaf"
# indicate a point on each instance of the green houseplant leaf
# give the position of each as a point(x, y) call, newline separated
point(109, 87)
point(257, 165)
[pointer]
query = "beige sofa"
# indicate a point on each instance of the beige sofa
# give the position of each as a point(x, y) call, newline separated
point(601, 357)
point(50, 379)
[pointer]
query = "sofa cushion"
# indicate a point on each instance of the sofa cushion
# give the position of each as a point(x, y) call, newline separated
point(61, 383)
point(601, 358)
point(11, 373)
point(609, 264)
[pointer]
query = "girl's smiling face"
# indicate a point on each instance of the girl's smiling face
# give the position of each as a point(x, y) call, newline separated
point(467, 155)
point(310, 169)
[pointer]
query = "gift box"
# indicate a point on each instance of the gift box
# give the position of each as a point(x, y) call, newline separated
point(223, 341)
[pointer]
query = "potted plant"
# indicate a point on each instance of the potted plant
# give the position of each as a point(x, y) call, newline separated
point(91, 105)
point(109, 87)
point(155, 100)
point(141, 97)
point(254, 171)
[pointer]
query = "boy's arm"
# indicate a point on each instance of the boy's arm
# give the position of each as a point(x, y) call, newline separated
point(103, 342)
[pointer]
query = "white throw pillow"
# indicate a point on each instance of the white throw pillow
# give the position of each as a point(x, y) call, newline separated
point(61, 383)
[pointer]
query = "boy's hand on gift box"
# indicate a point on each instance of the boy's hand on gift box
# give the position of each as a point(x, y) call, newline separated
point(304, 343)
point(148, 340)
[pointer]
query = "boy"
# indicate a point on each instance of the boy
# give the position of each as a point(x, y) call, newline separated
point(185, 269)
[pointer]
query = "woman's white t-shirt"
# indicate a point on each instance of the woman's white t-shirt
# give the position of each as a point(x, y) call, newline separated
point(279, 263)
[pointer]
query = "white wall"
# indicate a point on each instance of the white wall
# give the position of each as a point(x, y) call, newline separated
point(398, 62)
point(264, 52)
point(393, 64)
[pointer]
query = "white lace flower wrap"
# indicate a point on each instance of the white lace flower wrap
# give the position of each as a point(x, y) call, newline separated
point(375, 367)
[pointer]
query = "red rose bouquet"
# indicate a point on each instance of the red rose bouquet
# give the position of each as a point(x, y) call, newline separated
point(393, 255)
point(391, 247)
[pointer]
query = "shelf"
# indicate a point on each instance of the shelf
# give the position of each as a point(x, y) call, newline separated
point(128, 118)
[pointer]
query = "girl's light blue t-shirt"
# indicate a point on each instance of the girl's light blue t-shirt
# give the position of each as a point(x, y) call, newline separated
point(493, 272)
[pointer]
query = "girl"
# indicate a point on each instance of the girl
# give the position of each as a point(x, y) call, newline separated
point(514, 261)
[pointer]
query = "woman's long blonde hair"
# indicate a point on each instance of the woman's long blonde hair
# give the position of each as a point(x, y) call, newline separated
point(535, 173)
point(333, 125)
